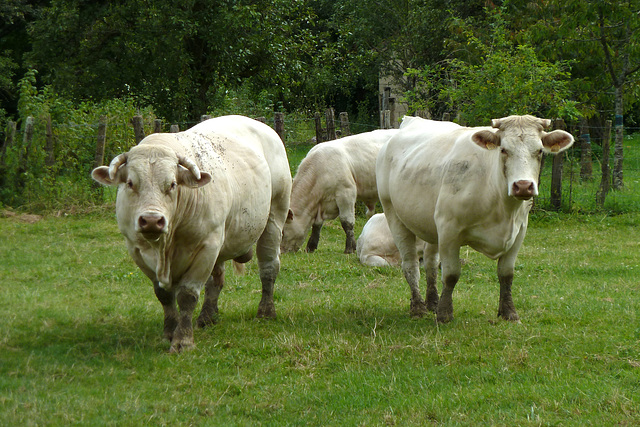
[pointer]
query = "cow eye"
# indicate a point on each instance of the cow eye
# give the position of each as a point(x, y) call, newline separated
point(130, 184)
point(503, 151)
point(173, 185)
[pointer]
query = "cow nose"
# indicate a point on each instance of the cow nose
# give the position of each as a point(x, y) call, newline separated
point(523, 189)
point(151, 223)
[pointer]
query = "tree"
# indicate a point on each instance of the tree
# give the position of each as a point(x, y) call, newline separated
point(493, 76)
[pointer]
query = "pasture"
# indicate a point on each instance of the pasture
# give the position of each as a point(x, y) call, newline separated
point(82, 336)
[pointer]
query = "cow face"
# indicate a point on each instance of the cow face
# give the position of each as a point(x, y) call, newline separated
point(149, 179)
point(521, 142)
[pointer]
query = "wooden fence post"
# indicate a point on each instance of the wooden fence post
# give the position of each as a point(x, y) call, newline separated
point(556, 172)
point(316, 117)
point(586, 169)
point(101, 139)
point(9, 137)
point(344, 124)
point(157, 126)
point(174, 129)
point(278, 124)
point(26, 143)
point(605, 181)
point(138, 128)
point(385, 117)
point(262, 119)
point(446, 117)
point(50, 142)
point(331, 124)
point(205, 117)
point(618, 154)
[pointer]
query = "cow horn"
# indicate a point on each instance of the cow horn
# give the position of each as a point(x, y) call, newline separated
point(190, 165)
point(115, 164)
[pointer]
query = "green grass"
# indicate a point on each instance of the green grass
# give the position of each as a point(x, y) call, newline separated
point(82, 336)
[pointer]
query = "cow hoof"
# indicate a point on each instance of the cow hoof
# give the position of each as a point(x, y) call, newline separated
point(204, 321)
point(432, 302)
point(266, 311)
point(511, 316)
point(444, 317)
point(418, 309)
point(178, 346)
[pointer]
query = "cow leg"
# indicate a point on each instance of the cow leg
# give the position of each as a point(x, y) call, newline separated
point(168, 301)
point(213, 287)
point(506, 264)
point(183, 335)
point(346, 202)
point(267, 251)
point(312, 243)
point(350, 243)
point(406, 242)
point(450, 258)
point(431, 271)
point(506, 309)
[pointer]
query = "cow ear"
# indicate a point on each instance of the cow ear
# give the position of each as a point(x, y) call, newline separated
point(185, 177)
point(101, 175)
point(556, 141)
point(486, 139)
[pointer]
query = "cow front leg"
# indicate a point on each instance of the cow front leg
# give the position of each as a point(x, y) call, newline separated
point(213, 287)
point(168, 301)
point(312, 243)
point(350, 243)
point(506, 308)
point(183, 336)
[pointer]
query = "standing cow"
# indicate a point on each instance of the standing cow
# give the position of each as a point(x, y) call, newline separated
point(189, 201)
point(467, 186)
point(375, 245)
point(330, 179)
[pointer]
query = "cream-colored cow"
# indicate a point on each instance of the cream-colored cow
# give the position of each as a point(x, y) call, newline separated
point(462, 186)
point(189, 201)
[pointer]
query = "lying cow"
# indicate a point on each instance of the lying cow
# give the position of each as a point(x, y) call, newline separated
point(329, 180)
point(375, 246)
point(466, 186)
point(189, 201)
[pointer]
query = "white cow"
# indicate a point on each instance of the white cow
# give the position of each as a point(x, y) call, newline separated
point(189, 201)
point(466, 186)
point(330, 179)
point(375, 245)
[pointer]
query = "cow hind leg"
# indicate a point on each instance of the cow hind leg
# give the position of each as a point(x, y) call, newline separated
point(267, 251)
point(431, 271)
point(312, 243)
point(350, 242)
point(213, 287)
point(168, 301)
point(406, 242)
point(450, 275)
point(183, 336)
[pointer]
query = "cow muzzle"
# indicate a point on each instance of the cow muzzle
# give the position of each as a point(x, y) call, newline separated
point(152, 226)
point(524, 189)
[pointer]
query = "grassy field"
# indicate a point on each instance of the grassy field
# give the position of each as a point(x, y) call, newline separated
point(82, 336)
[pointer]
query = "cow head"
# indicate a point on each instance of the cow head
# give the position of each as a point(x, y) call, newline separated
point(149, 178)
point(294, 231)
point(521, 141)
